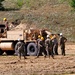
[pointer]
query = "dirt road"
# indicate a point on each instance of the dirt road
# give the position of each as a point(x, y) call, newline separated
point(10, 65)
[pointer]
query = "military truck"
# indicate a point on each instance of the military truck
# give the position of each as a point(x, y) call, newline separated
point(8, 40)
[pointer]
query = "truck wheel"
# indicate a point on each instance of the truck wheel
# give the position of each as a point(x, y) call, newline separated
point(31, 49)
point(10, 52)
point(1, 52)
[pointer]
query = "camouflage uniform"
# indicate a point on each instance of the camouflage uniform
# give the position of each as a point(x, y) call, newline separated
point(48, 44)
point(20, 46)
point(55, 46)
point(40, 47)
point(62, 44)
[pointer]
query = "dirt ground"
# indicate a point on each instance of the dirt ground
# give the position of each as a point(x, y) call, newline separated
point(61, 65)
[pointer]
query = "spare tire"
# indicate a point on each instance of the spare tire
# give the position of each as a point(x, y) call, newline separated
point(31, 49)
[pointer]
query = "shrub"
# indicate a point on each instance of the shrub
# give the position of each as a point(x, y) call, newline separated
point(19, 3)
point(1, 6)
point(72, 3)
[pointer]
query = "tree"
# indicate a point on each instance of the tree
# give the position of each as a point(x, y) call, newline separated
point(72, 3)
point(1, 6)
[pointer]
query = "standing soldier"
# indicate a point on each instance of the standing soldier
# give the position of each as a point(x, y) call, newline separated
point(42, 43)
point(62, 44)
point(48, 44)
point(40, 46)
point(55, 45)
point(20, 47)
point(6, 23)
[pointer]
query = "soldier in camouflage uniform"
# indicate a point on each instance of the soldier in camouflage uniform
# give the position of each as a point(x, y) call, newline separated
point(38, 45)
point(55, 46)
point(62, 44)
point(20, 47)
point(41, 46)
point(48, 44)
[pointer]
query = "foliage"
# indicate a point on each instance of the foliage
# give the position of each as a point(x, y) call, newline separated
point(61, 1)
point(28, 3)
point(34, 4)
point(19, 3)
point(72, 3)
point(1, 6)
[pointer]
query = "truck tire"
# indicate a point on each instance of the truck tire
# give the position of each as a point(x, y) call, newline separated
point(1, 52)
point(31, 49)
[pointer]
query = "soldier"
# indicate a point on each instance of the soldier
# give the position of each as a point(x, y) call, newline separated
point(55, 46)
point(20, 47)
point(48, 44)
point(6, 23)
point(42, 43)
point(62, 44)
point(40, 46)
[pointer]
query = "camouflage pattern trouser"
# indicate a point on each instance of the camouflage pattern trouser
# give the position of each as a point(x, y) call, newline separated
point(42, 50)
point(49, 52)
point(21, 52)
point(38, 52)
point(63, 50)
point(55, 49)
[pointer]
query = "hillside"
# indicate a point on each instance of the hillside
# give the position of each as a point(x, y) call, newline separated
point(52, 14)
